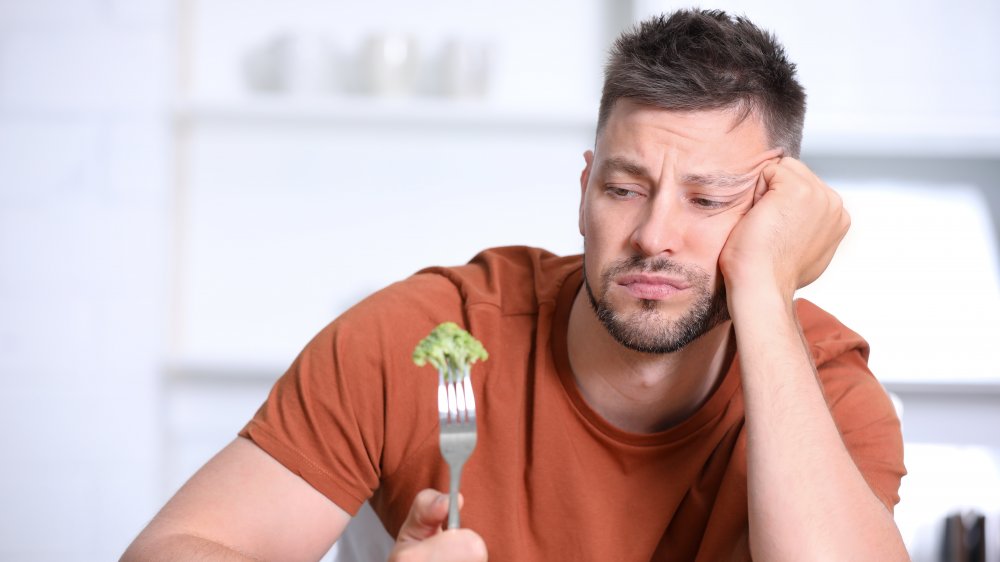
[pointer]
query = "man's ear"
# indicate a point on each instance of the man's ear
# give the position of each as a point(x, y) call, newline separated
point(588, 157)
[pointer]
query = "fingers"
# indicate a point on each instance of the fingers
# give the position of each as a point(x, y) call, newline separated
point(783, 171)
point(796, 180)
point(422, 540)
point(453, 545)
point(772, 154)
point(760, 189)
point(792, 230)
point(427, 514)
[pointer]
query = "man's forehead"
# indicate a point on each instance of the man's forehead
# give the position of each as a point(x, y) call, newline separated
point(630, 161)
point(728, 118)
point(713, 144)
point(633, 126)
point(707, 177)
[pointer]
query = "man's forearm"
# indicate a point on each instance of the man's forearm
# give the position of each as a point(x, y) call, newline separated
point(807, 498)
point(173, 548)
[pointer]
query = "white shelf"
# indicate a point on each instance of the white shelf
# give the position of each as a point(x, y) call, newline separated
point(896, 136)
point(189, 369)
point(388, 112)
point(985, 389)
point(825, 135)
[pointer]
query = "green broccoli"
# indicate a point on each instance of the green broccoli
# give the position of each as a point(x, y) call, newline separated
point(451, 350)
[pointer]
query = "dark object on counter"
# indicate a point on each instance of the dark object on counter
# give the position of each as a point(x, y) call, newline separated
point(964, 538)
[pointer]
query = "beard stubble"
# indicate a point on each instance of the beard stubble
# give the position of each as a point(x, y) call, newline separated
point(647, 331)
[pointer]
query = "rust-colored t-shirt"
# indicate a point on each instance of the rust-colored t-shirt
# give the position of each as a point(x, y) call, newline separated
point(549, 479)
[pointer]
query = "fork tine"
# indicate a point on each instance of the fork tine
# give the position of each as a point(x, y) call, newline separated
point(452, 400)
point(470, 398)
point(459, 402)
point(442, 397)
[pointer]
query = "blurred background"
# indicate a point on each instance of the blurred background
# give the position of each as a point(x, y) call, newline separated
point(190, 189)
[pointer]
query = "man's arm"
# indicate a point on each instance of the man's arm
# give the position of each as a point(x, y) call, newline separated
point(807, 498)
point(242, 505)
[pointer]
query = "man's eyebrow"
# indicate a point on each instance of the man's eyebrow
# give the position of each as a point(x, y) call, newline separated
point(622, 164)
point(712, 180)
point(719, 180)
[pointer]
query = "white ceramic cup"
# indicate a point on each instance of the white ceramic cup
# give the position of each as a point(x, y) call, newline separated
point(391, 62)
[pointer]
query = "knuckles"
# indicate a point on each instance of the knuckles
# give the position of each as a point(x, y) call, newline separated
point(475, 547)
point(458, 545)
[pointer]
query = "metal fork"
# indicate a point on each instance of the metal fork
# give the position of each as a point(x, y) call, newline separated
point(457, 413)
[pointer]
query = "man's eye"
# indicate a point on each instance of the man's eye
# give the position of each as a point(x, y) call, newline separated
point(621, 192)
point(707, 203)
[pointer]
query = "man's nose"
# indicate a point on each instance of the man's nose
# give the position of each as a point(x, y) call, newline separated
point(660, 230)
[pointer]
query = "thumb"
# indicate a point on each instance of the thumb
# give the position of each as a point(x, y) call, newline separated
point(427, 515)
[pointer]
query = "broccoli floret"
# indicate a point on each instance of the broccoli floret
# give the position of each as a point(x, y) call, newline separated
point(450, 349)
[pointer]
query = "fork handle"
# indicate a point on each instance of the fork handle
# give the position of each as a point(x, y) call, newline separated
point(456, 478)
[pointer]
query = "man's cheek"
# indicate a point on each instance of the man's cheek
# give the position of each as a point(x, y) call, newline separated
point(710, 235)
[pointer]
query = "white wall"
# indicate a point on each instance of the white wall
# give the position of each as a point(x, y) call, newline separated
point(84, 206)
point(897, 62)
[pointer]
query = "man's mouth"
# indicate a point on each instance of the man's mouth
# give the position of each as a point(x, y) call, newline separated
point(650, 286)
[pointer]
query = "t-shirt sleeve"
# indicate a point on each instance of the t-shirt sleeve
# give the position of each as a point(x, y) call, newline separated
point(325, 418)
point(867, 421)
point(321, 418)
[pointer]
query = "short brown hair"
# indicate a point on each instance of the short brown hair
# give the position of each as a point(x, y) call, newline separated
point(702, 60)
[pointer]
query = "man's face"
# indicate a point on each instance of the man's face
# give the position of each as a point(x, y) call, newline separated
point(660, 195)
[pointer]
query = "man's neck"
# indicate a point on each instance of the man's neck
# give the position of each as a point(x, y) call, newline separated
point(643, 392)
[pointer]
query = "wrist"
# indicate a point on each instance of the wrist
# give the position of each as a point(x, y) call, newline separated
point(758, 294)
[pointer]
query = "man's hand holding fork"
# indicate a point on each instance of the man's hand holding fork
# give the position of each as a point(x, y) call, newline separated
point(422, 539)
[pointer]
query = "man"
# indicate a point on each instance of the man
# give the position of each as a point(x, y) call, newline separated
point(661, 397)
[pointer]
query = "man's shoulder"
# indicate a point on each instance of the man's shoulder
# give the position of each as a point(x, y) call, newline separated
point(515, 279)
point(828, 337)
point(506, 281)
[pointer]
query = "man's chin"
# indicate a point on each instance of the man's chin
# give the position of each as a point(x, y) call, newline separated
point(669, 309)
point(657, 326)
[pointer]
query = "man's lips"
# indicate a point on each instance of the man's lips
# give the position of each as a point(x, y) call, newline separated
point(651, 287)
